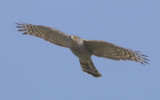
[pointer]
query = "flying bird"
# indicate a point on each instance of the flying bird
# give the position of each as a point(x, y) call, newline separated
point(83, 48)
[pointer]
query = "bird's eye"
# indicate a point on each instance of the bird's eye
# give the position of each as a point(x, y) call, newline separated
point(75, 38)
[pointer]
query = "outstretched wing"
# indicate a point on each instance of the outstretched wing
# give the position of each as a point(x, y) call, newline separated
point(111, 51)
point(50, 34)
point(88, 67)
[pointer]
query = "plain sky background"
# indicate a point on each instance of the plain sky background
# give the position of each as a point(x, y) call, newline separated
point(33, 69)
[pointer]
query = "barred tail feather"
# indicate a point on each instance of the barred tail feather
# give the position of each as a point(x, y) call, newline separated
point(88, 67)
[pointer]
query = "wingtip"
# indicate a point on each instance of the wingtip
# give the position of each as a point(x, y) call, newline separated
point(21, 27)
point(141, 58)
point(144, 61)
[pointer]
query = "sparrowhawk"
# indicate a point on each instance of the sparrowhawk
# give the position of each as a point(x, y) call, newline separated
point(83, 48)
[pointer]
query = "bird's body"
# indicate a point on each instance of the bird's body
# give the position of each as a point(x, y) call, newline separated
point(78, 48)
point(82, 48)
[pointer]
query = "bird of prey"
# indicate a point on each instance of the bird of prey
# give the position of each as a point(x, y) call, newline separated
point(83, 48)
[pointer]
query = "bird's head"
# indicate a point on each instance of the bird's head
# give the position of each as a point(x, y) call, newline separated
point(75, 39)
